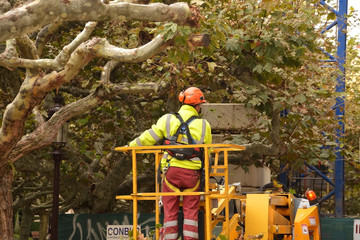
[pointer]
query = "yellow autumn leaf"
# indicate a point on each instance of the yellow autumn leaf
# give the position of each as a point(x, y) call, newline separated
point(211, 66)
point(276, 184)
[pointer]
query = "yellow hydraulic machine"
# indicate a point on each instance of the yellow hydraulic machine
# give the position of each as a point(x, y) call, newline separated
point(265, 215)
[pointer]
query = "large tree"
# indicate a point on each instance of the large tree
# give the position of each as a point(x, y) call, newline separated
point(262, 53)
point(26, 30)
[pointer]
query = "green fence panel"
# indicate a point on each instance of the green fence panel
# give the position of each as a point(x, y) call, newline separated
point(93, 226)
point(337, 228)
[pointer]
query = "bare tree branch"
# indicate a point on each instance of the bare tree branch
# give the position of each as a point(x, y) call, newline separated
point(26, 19)
point(105, 74)
point(34, 89)
point(44, 134)
point(99, 48)
point(56, 64)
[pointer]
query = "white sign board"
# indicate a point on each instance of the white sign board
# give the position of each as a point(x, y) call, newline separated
point(119, 231)
point(356, 229)
point(305, 229)
point(312, 221)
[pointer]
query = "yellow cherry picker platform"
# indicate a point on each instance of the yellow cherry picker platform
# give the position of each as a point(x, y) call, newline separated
point(266, 215)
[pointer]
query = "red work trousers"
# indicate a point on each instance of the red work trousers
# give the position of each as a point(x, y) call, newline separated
point(181, 179)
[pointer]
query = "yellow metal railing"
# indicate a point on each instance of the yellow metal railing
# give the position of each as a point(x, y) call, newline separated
point(208, 194)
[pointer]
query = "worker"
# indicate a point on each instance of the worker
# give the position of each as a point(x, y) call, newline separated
point(181, 171)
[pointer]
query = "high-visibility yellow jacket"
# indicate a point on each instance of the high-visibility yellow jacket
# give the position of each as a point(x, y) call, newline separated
point(167, 126)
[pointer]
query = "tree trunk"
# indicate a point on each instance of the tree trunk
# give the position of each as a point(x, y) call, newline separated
point(6, 223)
point(44, 225)
point(25, 225)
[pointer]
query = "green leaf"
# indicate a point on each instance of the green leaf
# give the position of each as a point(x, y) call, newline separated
point(247, 46)
point(223, 237)
point(277, 106)
point(256, 137)
point(292, 191)
point(220, 35)
point(169, 31)
point(300, 51)
point(331, 16)
point(300, 98)
point(184, 31)
point(130, 233)
point(211, 66)
point(231, 44)
point(184, 56)
point(82, 121)
point(253, 45)
point(258, 68)
point(180, 41)
point(268, 67)
point(254, 102)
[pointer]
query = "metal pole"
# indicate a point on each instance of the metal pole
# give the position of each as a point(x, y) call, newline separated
point(339, 109)
point(135, 192)
point(55, 206)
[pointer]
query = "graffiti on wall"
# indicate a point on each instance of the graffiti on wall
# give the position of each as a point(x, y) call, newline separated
point(93, 226)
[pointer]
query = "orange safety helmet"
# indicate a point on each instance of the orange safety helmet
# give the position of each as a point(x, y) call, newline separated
point(192, 96)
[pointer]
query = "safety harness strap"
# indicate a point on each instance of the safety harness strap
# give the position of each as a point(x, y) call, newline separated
point(184, 128)
point(183, 153)
point(175, 189)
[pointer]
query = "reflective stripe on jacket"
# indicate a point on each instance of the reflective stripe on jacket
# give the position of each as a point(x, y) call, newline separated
point(167, 126)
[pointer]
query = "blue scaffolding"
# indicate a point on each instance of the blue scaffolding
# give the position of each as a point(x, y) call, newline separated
point(339, 107)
